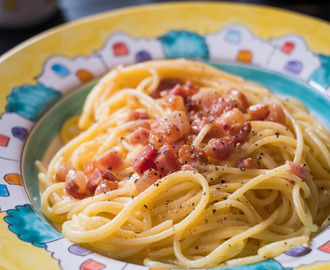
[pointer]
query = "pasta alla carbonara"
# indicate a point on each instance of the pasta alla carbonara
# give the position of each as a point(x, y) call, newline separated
point(178, 164)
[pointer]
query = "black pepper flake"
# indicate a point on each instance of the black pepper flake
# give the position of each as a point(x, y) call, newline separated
point(213, 211)
point(145, 206)
point(277, 134)
point(242, 168)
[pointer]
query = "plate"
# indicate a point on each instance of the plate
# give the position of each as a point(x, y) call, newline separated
point(287, 52)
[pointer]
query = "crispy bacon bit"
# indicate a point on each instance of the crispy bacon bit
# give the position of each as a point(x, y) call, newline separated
point(298, 169)
point(188, 167)
point(141, 135)
point(165, 133)
point(110, 160)
point(61, 172)
point(221, 106)
point(234, 125)
point(148, 178)
point(174, 103)
point(170, 129)
point(206, 99)
point(178, 90)
point(220, 149)
point(89, 168)
point(145, 159)
point(233, 116)
point(176, 146)
point(167, 161)
point(240, 132)
point(97, 176)
point(165, 84)
point(259, 111)
point(106, 186)
point(190, 88)
point(142, 124)
point(134, 115)
point(75, 184)
point(198, 123)
point(238, 98)
point(247, 163)
point(190, 154)
point(276, 114)
point(180, 118)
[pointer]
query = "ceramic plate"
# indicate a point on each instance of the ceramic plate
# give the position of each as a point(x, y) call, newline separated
point(45, 79)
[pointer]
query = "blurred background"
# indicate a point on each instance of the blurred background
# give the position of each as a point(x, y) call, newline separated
point(14, 31)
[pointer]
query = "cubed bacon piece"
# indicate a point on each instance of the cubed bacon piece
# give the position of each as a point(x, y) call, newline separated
point(188, 167)
point(167, 162)
point(165, 133)
point(106, 186)
point(176, 146)
point(145, 159)
point(198, 123)
point(190, 154)
point(178, 90)
point(165, 84)
point(259, 111)
point(141, 135)
point(240, 132)
point(134, 115)
point(276, 114)
point(238, 98)
point(221, 106)
point(141, 124)
point(148, 178)
point(231, 117)
point(190, 88)
point(298, 169)
point(233, 124)
point(206, 99)
point(96, 178)
point(110, 160)
point(61, 172)
point(247, 163)
point(89, 168)
point(75, 184)
point(180, 119)
point(174, 103)
point(220, 149)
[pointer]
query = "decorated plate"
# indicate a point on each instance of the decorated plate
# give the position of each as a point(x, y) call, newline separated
point(44, 82)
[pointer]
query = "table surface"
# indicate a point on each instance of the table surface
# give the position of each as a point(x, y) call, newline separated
point(69, 10)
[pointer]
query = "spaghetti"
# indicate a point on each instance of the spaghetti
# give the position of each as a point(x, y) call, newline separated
point(179, 164)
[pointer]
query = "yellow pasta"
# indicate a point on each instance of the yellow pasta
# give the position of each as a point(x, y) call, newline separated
point(218, 212)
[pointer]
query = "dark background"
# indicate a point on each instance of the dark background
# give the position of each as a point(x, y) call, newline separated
point(70, 10)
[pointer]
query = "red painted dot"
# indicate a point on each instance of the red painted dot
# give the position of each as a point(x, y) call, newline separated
point(120, 49)
point(325, 247)
point(287, 47)
point(92, 265)
point(4, 140)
